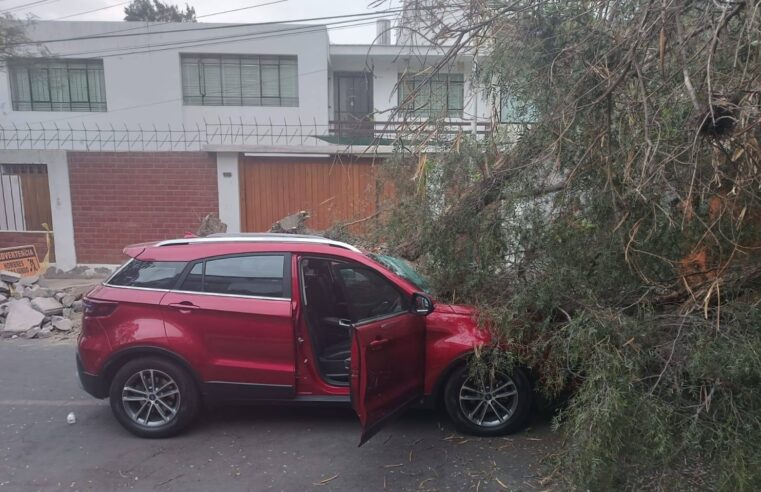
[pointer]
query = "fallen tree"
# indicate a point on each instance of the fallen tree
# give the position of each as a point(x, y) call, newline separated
point(616, 242)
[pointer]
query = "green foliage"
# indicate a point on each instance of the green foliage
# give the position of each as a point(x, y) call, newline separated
point(156, 11)
point(617, 244)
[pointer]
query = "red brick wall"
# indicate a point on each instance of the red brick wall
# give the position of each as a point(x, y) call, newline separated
point(13, 238)
point(120, 198)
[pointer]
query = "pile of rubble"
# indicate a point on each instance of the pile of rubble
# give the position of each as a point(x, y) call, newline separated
point(30, 310)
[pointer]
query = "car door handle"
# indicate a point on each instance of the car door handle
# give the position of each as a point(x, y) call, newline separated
point(184, 307)
point(377, 344)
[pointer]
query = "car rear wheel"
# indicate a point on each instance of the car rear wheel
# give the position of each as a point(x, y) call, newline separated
point(154, 397)
point(490, 404)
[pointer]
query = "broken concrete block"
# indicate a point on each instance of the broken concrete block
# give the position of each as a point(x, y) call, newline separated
point(78, 306)
point(45, 332)
point(10, 277)
point(59, 295)
point(34, 292)
point(21, 317)
point(26, 281)
point(47, 305)
point(30, 333)
point(68, 300)
point(3, 298)
point(62, 324)
point(68, 312)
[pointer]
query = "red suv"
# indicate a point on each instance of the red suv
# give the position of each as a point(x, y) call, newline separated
point(282, 318)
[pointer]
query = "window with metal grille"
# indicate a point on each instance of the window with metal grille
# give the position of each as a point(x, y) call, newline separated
point(232, 80)
point(437, 95)
point(57, 85)
point(24, 198)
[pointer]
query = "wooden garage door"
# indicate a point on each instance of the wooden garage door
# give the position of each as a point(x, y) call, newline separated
point(336, 189)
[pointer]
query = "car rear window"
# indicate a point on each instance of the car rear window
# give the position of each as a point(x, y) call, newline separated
point(149, 274)
point(251, 275)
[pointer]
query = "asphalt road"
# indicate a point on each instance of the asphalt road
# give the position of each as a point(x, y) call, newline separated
point(231, 449)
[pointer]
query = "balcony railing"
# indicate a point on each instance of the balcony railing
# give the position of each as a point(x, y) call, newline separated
point(391, 132)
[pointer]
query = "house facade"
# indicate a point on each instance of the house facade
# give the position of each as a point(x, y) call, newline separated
point(114, 133)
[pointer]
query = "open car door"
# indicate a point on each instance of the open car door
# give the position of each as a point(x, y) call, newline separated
point(387, 369)
point(387, 345)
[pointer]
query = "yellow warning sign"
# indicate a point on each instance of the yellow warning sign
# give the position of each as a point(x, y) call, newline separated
point(20, 259)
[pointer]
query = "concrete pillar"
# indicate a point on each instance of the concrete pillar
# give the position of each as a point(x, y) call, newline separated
point(228, 187)
point(63, 217)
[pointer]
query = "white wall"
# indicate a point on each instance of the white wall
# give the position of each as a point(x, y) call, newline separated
point(145, 88)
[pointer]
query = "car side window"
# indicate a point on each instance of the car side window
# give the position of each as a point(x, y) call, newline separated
point(370, 295)
point(194, 280)
point(149, 274)
point(254, 275)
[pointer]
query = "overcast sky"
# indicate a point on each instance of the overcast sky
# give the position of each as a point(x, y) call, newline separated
point(278, 11)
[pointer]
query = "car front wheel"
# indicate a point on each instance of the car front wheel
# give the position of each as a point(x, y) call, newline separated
point(490, 404)
point(153, 397)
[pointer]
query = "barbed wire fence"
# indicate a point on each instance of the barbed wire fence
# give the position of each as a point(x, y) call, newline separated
point(123, 138)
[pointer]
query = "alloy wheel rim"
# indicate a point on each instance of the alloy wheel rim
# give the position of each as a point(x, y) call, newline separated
point(489, 400)
point(151, 398)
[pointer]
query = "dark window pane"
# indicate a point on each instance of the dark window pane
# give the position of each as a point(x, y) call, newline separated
point(369, 294)
point(149, 274)
point(435, 95)
point(246, 275)
point(194, 281)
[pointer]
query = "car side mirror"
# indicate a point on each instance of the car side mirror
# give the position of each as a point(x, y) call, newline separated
point(422, 304)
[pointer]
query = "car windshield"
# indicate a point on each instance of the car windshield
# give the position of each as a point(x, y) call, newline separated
point(403, 269)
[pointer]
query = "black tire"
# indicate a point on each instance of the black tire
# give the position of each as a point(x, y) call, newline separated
point(159, 423)
point(513, 422)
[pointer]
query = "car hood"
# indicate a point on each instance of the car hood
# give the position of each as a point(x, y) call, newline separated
point(456, 309)
point(459, 321)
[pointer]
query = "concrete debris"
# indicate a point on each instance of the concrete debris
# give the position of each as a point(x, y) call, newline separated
point(47, 305)
point(78, 273)
point(35, 292)
point(292, 224)
point(71, 418)
point(45, 332)
point(211, 225)
point(21, 317)
point(9, 277)
point(62, 324)
point(31, 333)
point(27, 281)
point(36, 307)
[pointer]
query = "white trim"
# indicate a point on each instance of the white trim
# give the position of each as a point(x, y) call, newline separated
point(266, 238)
point(275, 154)
point(243, 296)
point(175, 291)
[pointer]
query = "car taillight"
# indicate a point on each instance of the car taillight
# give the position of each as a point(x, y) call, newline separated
point(98, 308)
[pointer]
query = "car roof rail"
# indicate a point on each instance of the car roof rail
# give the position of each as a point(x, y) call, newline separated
point(265, 237)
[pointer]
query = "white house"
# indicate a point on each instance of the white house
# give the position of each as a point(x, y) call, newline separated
point(115, 132)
